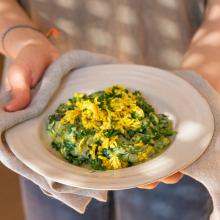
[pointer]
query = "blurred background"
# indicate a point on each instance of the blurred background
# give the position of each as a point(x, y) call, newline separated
point(10, 199)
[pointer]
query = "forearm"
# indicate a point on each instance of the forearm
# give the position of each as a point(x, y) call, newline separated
point(203, 54)
point(12, 14)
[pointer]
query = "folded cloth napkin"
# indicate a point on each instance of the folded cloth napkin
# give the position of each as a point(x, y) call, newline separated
point(206, 169)
point(74, 197)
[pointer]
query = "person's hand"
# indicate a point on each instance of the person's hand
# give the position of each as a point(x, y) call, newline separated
point(25, 71)
point(168, 180)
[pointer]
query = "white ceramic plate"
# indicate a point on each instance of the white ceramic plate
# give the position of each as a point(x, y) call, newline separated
point(168, 93)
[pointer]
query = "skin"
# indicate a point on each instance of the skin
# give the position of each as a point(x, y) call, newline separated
point(31, 53)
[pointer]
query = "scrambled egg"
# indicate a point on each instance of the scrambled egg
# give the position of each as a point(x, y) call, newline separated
point(110, 129)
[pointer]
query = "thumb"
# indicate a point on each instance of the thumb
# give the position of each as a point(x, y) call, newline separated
point(19, 81)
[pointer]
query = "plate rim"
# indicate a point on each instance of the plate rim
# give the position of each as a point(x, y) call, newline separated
point(154, 69)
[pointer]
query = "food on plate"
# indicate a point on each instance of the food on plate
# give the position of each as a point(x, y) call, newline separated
point(110, 129)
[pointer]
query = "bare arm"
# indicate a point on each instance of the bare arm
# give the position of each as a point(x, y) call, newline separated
point(12, 14)
point(30, 51)
point(203, 54)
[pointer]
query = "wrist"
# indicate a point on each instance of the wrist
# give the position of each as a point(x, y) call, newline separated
point(17, 39)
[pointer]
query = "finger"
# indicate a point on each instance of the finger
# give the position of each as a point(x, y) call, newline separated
point(149, 186)
point(37, 72)
point(173, 178)
point(39, 64)
point(19, 81)
point(42, 64)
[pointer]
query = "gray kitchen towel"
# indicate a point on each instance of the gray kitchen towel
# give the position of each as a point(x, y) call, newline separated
point(206, 169)
point(74, 197)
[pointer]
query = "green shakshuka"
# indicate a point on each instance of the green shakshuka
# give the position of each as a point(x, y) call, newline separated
point(109, 129)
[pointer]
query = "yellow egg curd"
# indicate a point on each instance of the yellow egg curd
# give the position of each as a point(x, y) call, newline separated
point(110, 129)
